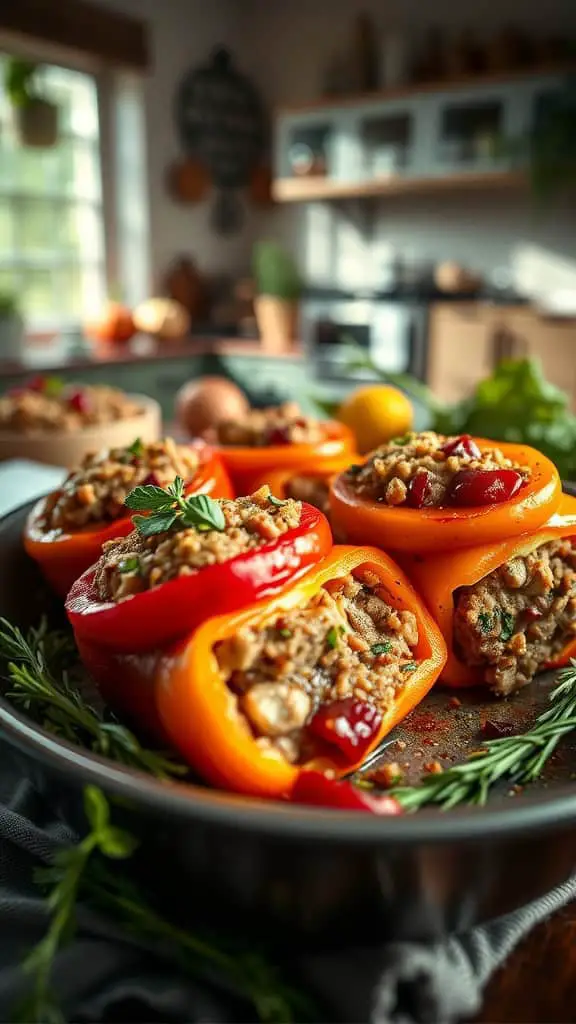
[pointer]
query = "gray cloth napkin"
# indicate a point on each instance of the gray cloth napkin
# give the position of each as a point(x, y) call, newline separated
point(107, 976)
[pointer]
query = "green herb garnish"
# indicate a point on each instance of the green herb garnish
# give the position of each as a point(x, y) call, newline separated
point(52, 387)
point(354, 469)
point(410, 666)
point(169, 507)
point(507, 625)
point(382, 648)
point(515, 759)
point(40, 673)
point(332, 638)
point(485, 622)
point(276, 501)
point(136, 448)
point(401, 442)
point(129, 565)
point(285, 633)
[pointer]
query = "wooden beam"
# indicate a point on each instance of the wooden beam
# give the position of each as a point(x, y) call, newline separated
point(83, 27)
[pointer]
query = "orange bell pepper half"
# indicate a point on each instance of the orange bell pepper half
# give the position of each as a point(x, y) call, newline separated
point(426, 530)
point(278, 479)
point(437, 577)
point(64, 556)
point(247, 466)
point(200, 713)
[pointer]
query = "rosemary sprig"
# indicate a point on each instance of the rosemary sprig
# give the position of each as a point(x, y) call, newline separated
point(82, 874)
point(168, 507)
point(515, 759)
point(40, 678)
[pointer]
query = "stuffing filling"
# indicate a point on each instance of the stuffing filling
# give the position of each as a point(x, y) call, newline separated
point(518, 618)
point(48, 405)
point(96, 492)
point(136, 563)
point(282, 424)
point(313, 489)
point(429, 469)
point(347, 648)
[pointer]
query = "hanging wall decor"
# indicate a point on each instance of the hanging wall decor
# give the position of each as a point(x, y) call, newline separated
point(222, 127)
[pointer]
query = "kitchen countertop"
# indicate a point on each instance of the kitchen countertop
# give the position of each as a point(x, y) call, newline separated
point(52, 359)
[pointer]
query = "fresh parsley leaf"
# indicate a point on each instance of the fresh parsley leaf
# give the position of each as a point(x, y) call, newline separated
point(136, 448)
point(149, 498)
point(130, 564)
point(176, 487)
point(275, 501)
point(52, 386)
point(332, 638)
point(411, 666)
point(381, 648)
point(148, 526)
point(203, 513)
point(400, 442)
point(485, 622)
point(507, 625)
point(285, 633)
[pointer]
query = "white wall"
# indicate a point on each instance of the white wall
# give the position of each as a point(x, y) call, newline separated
point(182, 33)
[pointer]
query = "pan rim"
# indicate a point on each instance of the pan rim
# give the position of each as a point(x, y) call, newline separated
point(189, 801)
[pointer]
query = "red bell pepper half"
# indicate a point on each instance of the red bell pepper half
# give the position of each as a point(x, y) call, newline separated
point(169, 611)
point(64, 556)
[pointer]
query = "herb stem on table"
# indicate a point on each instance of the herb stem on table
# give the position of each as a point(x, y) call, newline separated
point(39, 677)
point(517, 760)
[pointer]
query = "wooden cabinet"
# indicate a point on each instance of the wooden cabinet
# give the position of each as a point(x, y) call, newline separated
point(466, 341)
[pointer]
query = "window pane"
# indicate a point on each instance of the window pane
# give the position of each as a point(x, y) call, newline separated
point(36, 226)
point(51, 221)
point(6, 233)
point(37, 293)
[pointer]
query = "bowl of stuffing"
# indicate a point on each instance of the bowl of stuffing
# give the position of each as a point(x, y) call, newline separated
point(57, 423)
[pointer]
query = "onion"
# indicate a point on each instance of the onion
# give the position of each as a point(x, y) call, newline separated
point(204, 403)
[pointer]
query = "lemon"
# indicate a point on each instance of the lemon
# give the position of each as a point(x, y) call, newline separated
point(376, 413)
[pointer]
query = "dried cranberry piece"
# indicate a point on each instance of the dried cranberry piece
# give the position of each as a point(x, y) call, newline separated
point(37, 383)
point(151, 479)
point(279, 435)
point(463, 446)
point(317, 789)
point(483, 486)
point(79, 401)
point(348, 724)
point(532, 614)
point(498, 730)
point(420, 490)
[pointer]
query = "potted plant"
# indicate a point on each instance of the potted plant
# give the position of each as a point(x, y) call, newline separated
point(11, 327)
point(36, 117)
point(278, 289)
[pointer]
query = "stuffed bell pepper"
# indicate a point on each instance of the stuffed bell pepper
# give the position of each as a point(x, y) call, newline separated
point(506, 610)
point(307, 483)
point(188, 558)
point(65, 531)
point(310, 680)
point(426, 492)
point(276, 439)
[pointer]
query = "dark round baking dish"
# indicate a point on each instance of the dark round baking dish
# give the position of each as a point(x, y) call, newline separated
point(316, 874)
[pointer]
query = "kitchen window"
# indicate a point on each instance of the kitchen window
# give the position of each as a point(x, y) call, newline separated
point(68, 231)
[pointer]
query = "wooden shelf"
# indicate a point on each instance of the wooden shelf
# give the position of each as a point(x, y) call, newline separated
point(422, 88)
point(307, 189)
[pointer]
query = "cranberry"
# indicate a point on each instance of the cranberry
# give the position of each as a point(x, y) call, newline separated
point(498, 730)
point(79, 401)
point(151, 479)
point(37, 383)
point(279, 435)
point(317, 789)
point(532, 614)
point(349, 724)
point(464, 447)
point(483, 486)
point(420, 490)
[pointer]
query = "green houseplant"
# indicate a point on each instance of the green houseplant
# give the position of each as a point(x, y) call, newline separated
point(11, 327)
point(278, 289)
point(36, 117)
